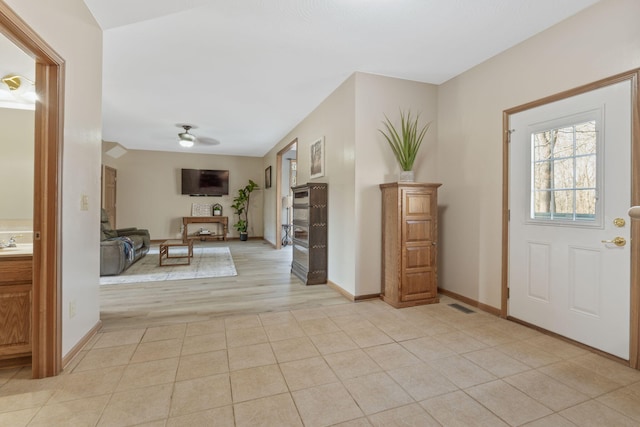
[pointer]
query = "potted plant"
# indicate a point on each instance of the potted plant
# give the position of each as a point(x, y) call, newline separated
point(406, 142)
point(240, 207)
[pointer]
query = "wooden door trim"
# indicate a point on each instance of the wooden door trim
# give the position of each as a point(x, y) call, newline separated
point(286, 148)
point(46, 304)
point(106, 171)
point(633, 77)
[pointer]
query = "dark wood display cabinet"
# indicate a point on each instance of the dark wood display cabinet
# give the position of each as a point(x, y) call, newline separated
point(309, 234)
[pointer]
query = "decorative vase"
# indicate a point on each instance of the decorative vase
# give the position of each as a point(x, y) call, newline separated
point(406, 176)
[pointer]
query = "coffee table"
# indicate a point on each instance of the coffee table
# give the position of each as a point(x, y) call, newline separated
point(175, 243)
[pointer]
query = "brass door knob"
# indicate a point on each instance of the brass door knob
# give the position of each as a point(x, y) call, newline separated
point(618, 241)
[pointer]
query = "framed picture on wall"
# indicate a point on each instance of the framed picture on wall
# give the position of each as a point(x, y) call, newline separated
point(267, 177)
point(317, 158)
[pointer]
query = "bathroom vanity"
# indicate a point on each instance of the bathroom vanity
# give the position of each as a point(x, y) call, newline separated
point(16, 272)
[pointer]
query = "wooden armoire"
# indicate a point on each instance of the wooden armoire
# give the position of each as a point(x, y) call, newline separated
point(409, 243)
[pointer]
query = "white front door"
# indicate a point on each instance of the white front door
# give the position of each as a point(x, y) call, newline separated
point(569, 189)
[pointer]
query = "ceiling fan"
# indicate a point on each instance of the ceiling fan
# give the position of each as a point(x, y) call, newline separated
point(187, 139)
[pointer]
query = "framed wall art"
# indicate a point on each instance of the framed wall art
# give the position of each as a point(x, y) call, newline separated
point(267, 177)
point(317, 158)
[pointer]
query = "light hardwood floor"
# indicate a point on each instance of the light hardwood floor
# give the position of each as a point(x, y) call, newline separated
point(264, 284)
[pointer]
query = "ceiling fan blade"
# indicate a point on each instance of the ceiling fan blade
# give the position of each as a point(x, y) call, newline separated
point(207, 141)
point(186, 138)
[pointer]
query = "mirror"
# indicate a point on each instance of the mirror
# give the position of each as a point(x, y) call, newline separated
point(17, 130)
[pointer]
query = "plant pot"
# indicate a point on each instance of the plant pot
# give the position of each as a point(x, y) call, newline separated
point(244, 236)
point(406, 176)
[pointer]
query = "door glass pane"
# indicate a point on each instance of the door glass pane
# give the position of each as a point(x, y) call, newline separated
point(542, 204)
point(586, 138)
point(542, 176)
point(563, 144)
point(585, 203)
point(542, 145)
point(563, 173)
point(563, 202)
point(586, 172)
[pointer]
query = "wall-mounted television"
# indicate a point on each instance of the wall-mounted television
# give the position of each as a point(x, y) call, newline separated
point(205, 182)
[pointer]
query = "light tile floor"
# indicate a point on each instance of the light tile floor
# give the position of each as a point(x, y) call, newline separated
point(363, 364)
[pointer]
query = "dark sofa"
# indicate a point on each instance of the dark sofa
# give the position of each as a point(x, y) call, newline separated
point(120, 248)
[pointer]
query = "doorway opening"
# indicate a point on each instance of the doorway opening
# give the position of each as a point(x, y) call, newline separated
point(46, 319)
point(286, 177)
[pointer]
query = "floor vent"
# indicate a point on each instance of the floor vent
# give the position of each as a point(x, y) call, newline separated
point(461, 308)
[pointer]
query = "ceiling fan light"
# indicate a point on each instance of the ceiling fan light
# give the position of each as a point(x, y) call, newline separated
point(186, 142)
point(186, 139)
point(186, 136)
point(21, 88)
point(13, 82)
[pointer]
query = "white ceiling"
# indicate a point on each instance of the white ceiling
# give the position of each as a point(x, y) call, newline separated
point(245, 72)
point(15, 62)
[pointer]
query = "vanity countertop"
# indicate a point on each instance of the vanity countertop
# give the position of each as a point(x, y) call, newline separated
point(22, 249)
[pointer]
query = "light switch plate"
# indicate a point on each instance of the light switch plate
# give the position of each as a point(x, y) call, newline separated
point(84, 202)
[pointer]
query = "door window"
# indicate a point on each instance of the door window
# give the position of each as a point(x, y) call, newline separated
point(564, 173)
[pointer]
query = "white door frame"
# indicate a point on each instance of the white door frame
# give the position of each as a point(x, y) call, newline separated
point(634, 77)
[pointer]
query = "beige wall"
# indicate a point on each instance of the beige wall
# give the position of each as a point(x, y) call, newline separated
point(81, 49)
point(377, 96)
point(357, 160)
point(601, 41)
point(334, 119)
point(148, 190)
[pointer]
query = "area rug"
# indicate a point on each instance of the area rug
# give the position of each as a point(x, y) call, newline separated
point(206, 262)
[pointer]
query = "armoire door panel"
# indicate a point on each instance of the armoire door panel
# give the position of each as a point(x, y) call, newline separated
point(417, 257)
point(417, 203)
point(419, 285)
point(418, 231)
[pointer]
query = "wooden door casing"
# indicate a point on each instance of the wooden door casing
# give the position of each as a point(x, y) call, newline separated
point(109, 190)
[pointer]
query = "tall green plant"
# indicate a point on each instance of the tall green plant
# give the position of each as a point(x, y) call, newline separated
point(405, 144)
point(240, 206)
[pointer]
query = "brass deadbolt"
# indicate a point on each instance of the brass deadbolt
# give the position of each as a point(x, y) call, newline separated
point(619, 222)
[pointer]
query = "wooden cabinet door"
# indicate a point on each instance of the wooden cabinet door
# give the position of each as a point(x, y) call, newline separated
point(15, 307)
point(15, 316)
point(418, 245)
